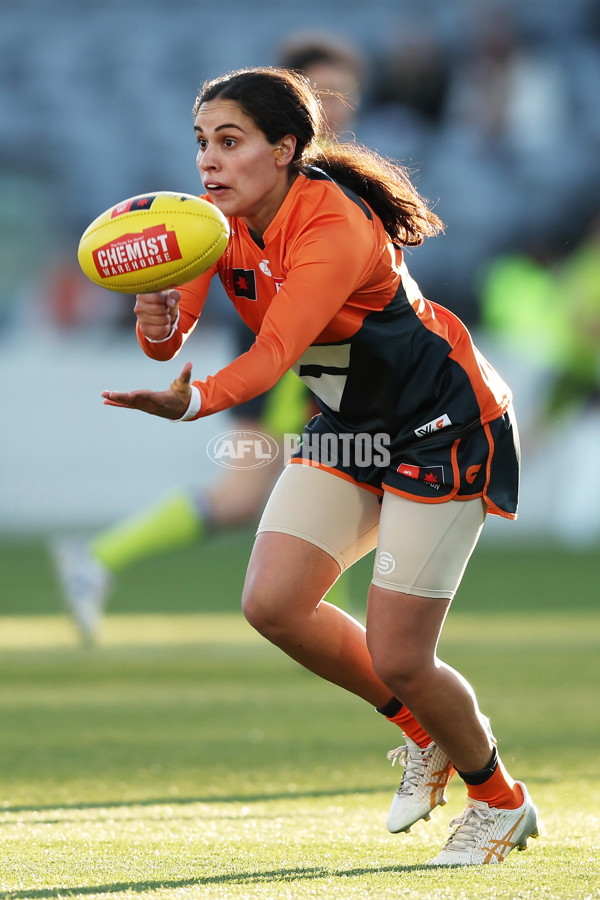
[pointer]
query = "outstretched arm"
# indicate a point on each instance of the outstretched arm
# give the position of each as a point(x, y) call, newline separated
point(170, 404)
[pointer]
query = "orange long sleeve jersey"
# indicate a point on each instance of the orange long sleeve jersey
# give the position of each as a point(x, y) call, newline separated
point(327, 294)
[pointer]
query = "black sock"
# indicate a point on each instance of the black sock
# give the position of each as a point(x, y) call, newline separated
point(483, 774)
point(391, 708)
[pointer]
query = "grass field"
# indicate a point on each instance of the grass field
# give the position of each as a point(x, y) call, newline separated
point(184, 757)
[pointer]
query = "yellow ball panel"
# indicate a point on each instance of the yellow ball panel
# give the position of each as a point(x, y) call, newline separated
point(152, 242)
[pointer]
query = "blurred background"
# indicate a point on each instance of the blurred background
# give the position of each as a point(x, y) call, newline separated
point(494, 107)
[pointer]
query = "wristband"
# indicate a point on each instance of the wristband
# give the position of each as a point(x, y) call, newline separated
point(194, 406)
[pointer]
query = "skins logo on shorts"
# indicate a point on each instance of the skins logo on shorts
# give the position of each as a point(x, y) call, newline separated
point(130, 252)
point(433, 476)
point(244, 283)
point(433, 426)
point(385, 563)
point(132, 205)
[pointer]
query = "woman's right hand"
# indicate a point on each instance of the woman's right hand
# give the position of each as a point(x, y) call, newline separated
point(170, 404)
point(156, 313)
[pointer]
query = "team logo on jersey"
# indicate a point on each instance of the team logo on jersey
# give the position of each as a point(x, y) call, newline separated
point(430, 475)
point(433, 426)
point(264, 267)
point(244, 283)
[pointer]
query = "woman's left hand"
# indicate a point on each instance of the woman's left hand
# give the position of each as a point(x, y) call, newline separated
point(170, 404)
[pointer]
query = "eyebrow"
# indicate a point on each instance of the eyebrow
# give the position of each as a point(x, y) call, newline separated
point(221, 127)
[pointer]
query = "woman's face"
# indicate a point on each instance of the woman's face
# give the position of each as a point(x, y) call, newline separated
point(243, 173)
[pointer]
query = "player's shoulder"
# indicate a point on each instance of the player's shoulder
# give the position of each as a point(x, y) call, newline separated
point(316, 193)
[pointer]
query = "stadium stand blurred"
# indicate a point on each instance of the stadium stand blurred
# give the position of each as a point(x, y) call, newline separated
point(494, 104)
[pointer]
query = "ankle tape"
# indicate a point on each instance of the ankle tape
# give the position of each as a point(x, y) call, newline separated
point(481, 775)
point(391, 709)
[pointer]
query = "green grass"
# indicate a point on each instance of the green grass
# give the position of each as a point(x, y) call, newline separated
point(184, 757)
point(209, 578)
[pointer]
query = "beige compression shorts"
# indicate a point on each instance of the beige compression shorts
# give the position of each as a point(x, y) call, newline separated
point(422, 548)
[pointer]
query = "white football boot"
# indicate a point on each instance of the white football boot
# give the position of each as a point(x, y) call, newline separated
point(484, 834)
point(85, 584)
point(423, 784)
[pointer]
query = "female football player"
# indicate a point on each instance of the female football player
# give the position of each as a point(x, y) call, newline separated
point(414, 445)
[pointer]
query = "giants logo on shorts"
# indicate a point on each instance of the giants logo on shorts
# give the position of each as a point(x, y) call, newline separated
point(472, 473)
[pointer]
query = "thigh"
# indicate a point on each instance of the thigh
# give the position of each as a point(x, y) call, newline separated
point(326, 510)
point(423, 548)
point(286, 578)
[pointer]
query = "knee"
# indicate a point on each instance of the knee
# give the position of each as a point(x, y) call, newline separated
point(399, 669)
point(254, 610)
point(263, 612)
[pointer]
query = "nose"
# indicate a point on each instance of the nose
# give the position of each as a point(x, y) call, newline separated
point(206, 160)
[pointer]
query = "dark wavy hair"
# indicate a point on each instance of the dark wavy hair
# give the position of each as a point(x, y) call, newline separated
point(280, 101)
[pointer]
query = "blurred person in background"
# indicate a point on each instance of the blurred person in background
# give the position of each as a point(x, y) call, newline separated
point(338, 72)
point(87, 569)
point(522, 322)
point(383, 361)
point(541, 322)
point(573, 409)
